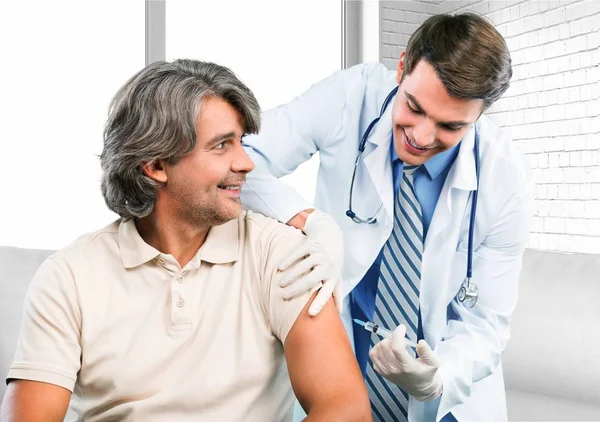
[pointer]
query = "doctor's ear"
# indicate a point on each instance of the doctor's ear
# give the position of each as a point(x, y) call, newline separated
point(155, 170)
point(400, 69)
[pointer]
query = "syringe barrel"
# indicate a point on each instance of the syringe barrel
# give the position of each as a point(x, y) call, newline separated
point(384, 333)
point(376, 329)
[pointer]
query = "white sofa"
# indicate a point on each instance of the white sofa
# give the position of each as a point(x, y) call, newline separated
point(551, 364)
point(552, 361)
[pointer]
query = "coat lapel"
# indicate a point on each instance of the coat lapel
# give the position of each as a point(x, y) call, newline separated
point(376, 158)
point(439, 256)
point(460, 181)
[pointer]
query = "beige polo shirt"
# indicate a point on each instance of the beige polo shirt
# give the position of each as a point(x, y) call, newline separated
point(136, 337)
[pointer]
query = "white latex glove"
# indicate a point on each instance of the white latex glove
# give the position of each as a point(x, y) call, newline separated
point(418, 377)
point(320, 259)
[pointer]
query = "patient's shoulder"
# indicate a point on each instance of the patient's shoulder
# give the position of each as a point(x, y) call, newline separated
point(265, 229)
point(89, 248)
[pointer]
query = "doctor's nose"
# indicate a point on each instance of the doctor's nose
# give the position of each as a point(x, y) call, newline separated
point(424, 134)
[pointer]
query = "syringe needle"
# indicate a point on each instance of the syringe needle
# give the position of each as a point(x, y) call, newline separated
point(381, 332)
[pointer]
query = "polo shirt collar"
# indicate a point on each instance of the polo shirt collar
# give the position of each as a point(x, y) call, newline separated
point(134, 251)
point(222, 243)
point(220, 247)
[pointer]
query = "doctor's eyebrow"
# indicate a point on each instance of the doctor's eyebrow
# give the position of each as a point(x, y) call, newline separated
point(420, 109)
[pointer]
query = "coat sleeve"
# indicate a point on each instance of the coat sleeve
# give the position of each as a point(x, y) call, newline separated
point(291, 134)
point(475, 338)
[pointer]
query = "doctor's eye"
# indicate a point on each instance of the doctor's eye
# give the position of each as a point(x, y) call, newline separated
point(220, 145)
point(452, 128)
point(412, 109)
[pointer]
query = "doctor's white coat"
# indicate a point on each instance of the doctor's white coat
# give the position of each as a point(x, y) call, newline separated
point(331, 118)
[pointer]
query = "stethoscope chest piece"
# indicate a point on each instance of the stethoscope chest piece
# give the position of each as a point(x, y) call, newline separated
point(468, 293)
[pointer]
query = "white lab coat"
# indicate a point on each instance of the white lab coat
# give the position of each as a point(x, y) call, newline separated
point(331, 118)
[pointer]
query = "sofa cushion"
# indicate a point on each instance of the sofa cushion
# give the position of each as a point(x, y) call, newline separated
point(17, 267)
point(526, 406)
point(554, 345)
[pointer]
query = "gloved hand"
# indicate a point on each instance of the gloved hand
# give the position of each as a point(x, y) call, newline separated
point(321, 258)
point(418, 377)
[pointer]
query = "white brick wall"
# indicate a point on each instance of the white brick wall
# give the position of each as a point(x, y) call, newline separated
point(551, 109)
point(399, 19)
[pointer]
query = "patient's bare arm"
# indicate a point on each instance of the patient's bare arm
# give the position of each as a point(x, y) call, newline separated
point(33, 401)
point(324, 373)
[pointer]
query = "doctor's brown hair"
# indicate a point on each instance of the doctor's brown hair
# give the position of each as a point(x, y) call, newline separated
point(468, 54)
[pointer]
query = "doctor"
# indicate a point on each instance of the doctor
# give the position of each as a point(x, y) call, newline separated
point(405, 209)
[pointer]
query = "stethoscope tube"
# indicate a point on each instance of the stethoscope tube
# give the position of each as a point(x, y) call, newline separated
point(361, 147)
point(386, 102)
point(473, 210)
point(468, 293)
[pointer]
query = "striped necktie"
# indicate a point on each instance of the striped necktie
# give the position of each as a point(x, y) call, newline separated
point(397, 300)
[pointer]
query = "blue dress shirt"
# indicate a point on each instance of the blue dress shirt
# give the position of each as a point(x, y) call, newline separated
point(428, 180)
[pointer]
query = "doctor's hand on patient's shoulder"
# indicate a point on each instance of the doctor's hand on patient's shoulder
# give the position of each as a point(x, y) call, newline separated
point(321, 259)
point(418, 377)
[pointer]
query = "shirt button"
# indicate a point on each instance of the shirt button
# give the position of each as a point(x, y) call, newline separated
point(162, 261)
point(180, 303)
point(180, 279)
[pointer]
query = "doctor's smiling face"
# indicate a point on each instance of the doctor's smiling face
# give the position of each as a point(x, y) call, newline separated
point(454, 67)
point(426, 119)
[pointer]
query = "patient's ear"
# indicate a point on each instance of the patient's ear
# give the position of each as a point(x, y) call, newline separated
point(155, 170)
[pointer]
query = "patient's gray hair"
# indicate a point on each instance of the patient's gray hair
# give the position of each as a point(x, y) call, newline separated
point(153, 116)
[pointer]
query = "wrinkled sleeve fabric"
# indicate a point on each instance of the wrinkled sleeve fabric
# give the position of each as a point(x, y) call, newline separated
point(277, 241)
point(49, 347)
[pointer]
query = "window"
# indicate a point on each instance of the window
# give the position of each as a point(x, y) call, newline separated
point(277, 48)
point(62, 63)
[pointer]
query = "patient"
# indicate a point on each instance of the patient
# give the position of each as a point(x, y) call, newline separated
point(174, 312)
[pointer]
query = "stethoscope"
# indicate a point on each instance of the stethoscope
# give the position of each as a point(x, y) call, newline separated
point(468, 292)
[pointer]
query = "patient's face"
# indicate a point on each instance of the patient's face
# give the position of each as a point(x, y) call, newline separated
point(204, 186)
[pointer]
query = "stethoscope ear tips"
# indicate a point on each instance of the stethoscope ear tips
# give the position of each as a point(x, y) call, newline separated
point(350, 214)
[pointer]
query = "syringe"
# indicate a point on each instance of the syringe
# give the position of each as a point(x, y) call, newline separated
point(381, 332)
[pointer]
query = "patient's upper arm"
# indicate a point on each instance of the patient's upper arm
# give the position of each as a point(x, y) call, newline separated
point(33, 401)
point(324, 373)
point(49, 346)
point(48, 354)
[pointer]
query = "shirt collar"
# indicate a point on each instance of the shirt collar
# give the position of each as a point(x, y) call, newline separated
point(134, 251)
point(221, 245)
point(434, 166)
